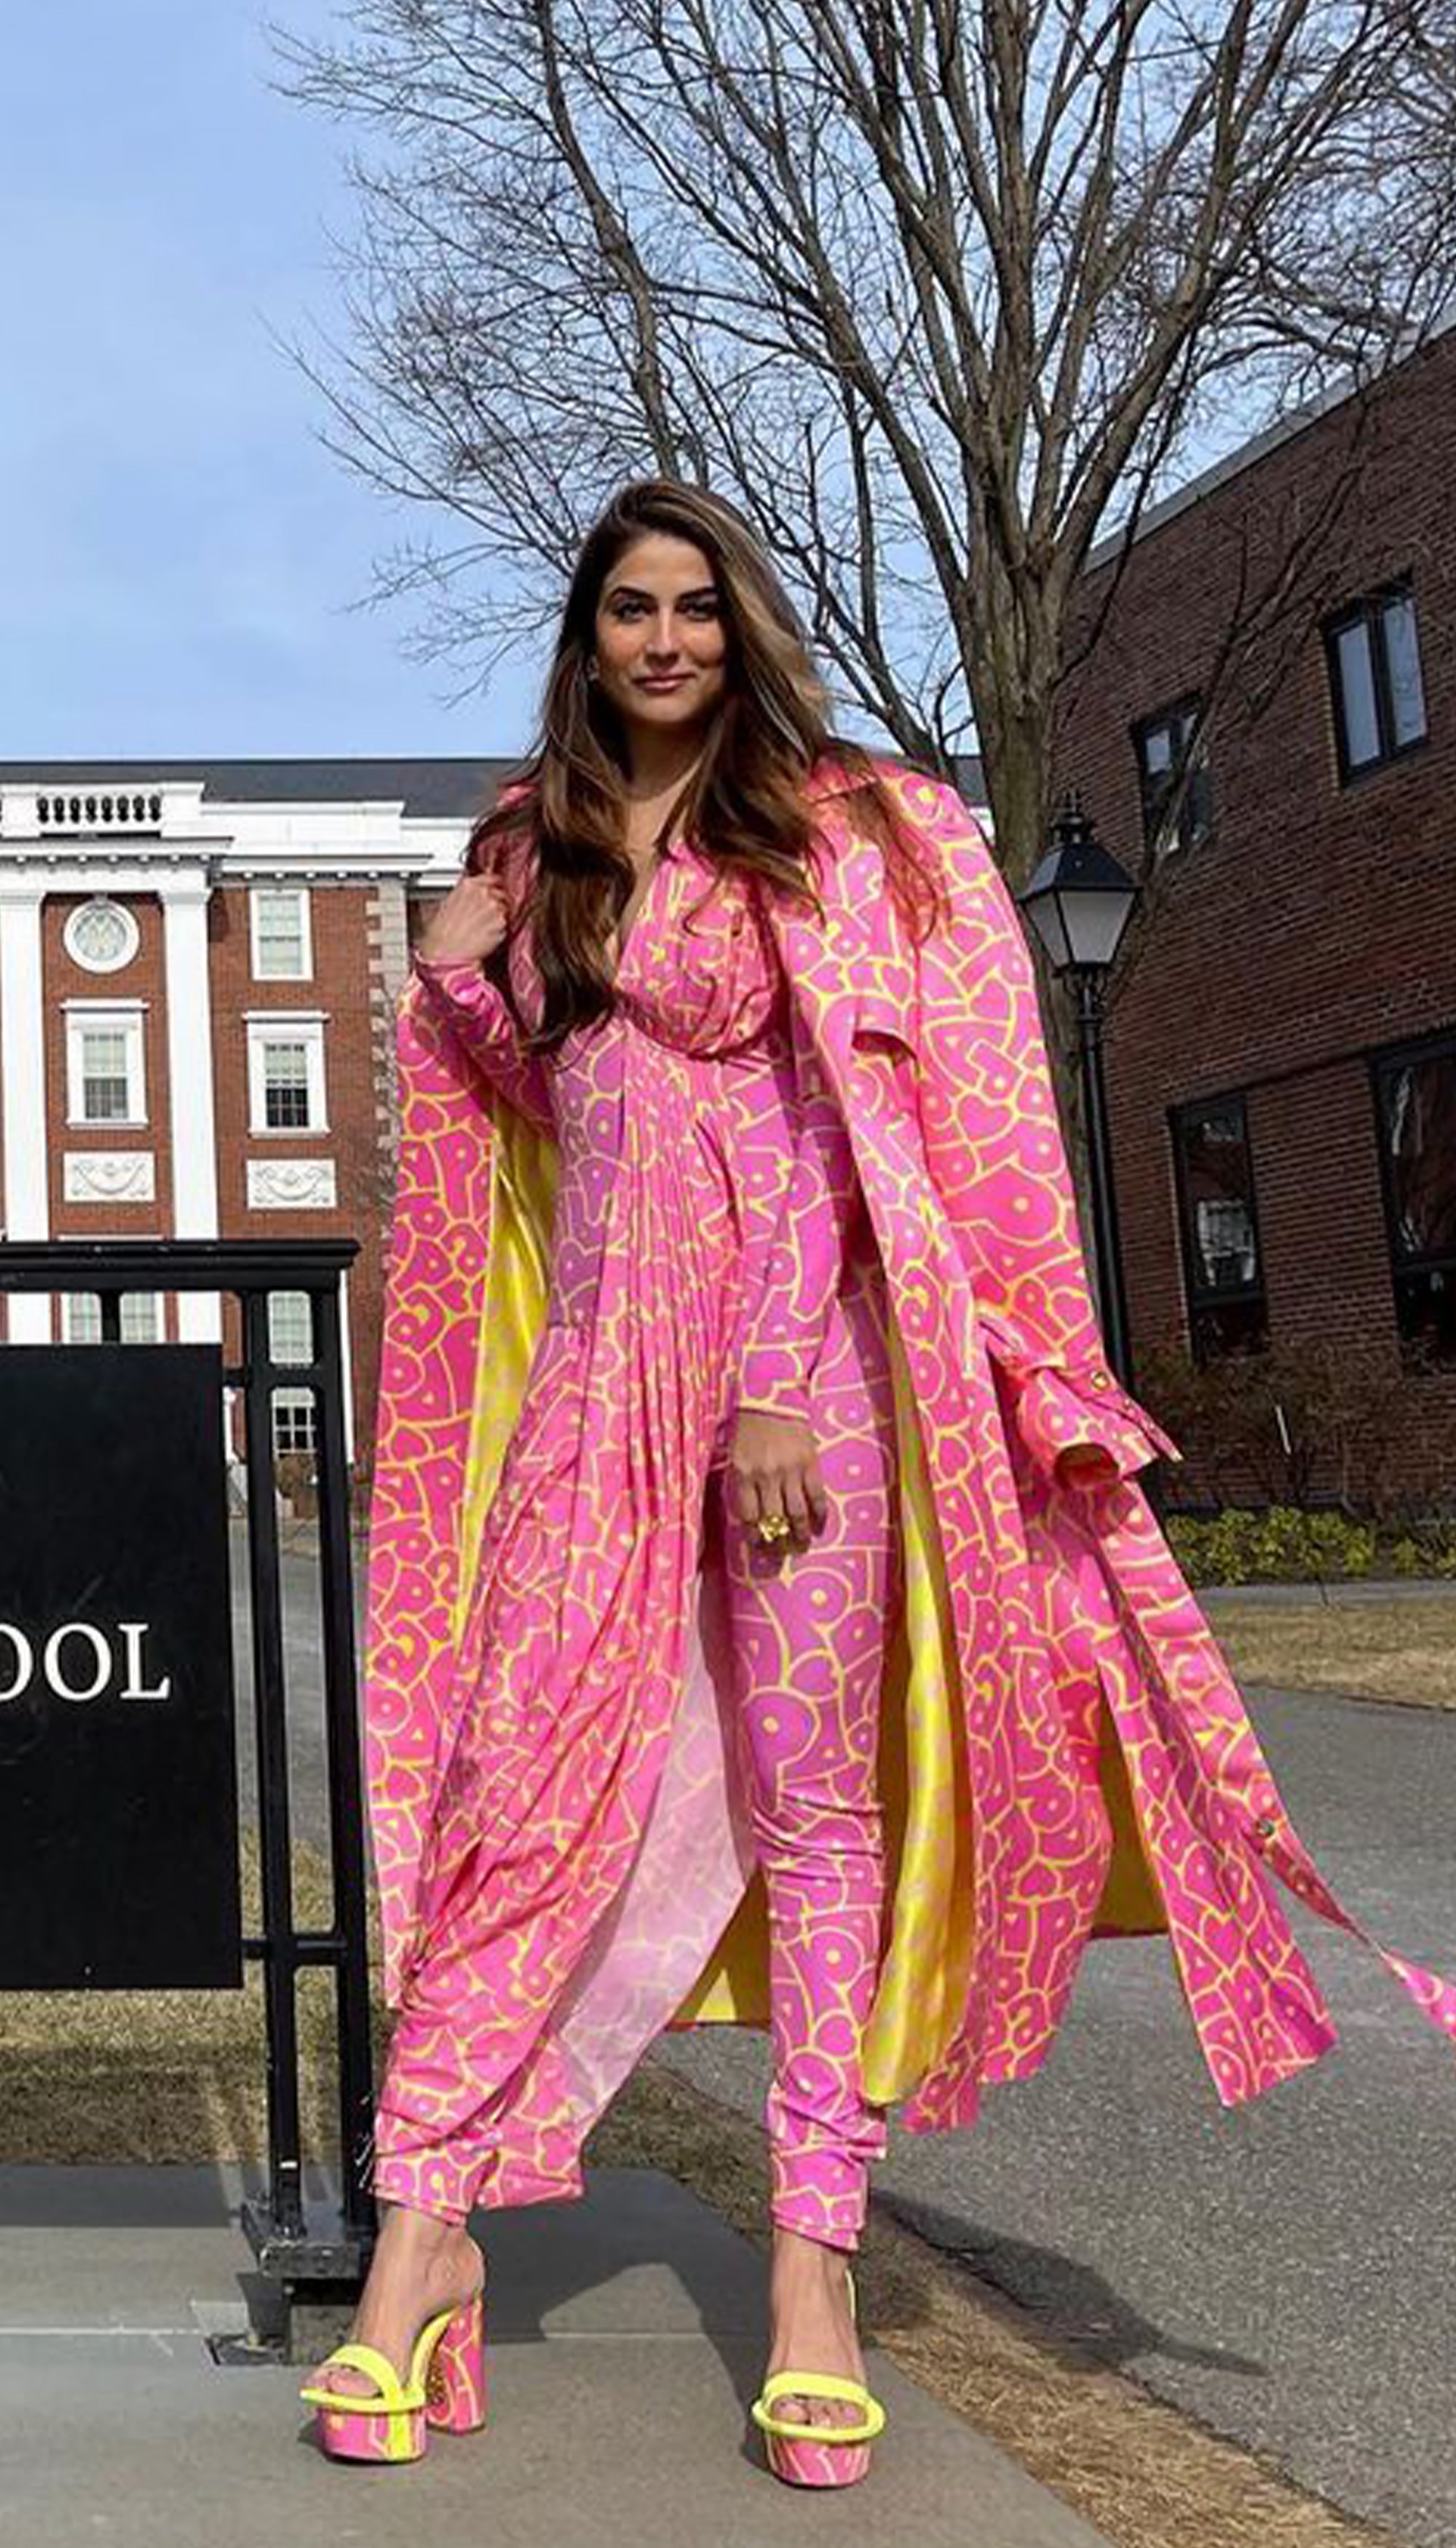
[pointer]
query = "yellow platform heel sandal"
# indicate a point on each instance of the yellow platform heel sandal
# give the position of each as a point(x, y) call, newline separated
point(445, 2389)
point(818, 2454)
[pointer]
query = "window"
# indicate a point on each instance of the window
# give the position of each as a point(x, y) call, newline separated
point(105, 1079)
point(1379, 698)
point(1415, 1091)
point(1161, 743)
point(282, 939)
point(1223, 1270)
point(105, 1088)
point(291, 1339)
point(293, 1420)
point(286, 1072)
point(285, 1087)
point(80, 1318)
point(290, 1327)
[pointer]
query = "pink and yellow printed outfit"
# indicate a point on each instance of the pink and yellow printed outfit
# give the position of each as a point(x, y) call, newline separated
point(709, 1248)
point(629, 1770)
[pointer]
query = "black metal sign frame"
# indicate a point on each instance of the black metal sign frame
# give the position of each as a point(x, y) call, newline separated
point(285, 2245)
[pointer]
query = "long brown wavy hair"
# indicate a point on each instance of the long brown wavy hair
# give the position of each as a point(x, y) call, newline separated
point(744, 806)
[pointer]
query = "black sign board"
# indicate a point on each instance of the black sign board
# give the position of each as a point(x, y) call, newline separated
point(117, 1783)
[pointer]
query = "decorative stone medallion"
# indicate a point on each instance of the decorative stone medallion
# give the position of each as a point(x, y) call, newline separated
point(102, 935)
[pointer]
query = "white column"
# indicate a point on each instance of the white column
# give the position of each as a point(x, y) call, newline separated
point(346, 1361)
point(183, 897)
point(22, 1090)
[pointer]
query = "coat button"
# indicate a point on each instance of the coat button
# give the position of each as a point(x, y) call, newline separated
point(1265, 1827)
point(1100, 1380)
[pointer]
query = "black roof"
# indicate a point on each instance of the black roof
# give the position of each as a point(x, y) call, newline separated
point(442, 788)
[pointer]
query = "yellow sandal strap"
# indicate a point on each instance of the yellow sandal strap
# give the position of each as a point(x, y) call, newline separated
point(393, 2398)
point(425, 2346)
point(817, 2384)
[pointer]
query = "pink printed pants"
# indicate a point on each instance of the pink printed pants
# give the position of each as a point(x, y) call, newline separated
point(808, 1630)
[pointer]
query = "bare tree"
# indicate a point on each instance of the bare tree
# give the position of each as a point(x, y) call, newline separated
point(939, 295)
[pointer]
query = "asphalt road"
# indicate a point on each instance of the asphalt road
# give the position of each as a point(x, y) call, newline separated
point(1283, 2271)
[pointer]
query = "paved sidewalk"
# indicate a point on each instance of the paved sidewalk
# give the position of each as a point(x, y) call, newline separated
point(625, 2338)
point(1339, 1589)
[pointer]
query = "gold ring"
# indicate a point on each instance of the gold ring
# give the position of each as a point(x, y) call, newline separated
point(773, 1527)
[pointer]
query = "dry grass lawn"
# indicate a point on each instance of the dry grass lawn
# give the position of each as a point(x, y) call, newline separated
point(1404, 1651)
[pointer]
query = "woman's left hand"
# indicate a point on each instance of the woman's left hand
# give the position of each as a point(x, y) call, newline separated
point(774, 1466)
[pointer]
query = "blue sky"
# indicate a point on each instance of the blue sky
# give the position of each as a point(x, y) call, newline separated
point(180, 553)
point(184, 564)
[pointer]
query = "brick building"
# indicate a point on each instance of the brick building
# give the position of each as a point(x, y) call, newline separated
point(199, 964)
point(198, 968)
point(1282, 1056)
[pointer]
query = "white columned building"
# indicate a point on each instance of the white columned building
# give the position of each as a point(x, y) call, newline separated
point(198, 965)
point(194, 1128)
point(23, 1088)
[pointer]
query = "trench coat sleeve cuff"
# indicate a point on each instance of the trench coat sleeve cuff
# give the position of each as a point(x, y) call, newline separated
point(463, 993)
point(760, 1393)
point(1058, 1411)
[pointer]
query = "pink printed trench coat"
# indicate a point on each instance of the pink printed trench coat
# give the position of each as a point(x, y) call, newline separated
point(1065, 1753)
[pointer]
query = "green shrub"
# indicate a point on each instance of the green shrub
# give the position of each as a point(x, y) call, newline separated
point(1427, 1549)
point(1279, 1545)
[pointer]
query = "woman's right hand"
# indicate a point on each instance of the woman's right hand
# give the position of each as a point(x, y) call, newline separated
point(469, 925)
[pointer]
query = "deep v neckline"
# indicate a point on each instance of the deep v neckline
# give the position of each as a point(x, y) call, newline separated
point(660, 860)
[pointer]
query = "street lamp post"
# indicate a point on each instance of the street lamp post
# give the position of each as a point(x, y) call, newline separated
point(1079, 902)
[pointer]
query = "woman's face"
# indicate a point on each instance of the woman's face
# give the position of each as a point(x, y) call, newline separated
point(660, 639)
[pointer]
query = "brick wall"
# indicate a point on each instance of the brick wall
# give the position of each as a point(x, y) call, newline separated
point(1319, 919)
point(341, 986)
point(145, 978)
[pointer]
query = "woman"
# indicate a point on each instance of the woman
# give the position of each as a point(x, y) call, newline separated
point(763, 1621)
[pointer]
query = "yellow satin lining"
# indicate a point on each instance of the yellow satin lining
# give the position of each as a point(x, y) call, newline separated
point(923, 1774)
point(526, 1169)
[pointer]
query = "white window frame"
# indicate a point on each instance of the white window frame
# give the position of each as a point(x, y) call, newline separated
point(301, 895)
point(275, 1322)
point(68, 1334)
point(111, 1016)
point(286, 1026)
point(294, 1402)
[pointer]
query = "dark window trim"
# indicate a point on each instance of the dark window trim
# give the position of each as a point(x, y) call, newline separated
point(1188, 704)
point(1199, 1295)
point(1366, 613)
point(1390, 1056)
